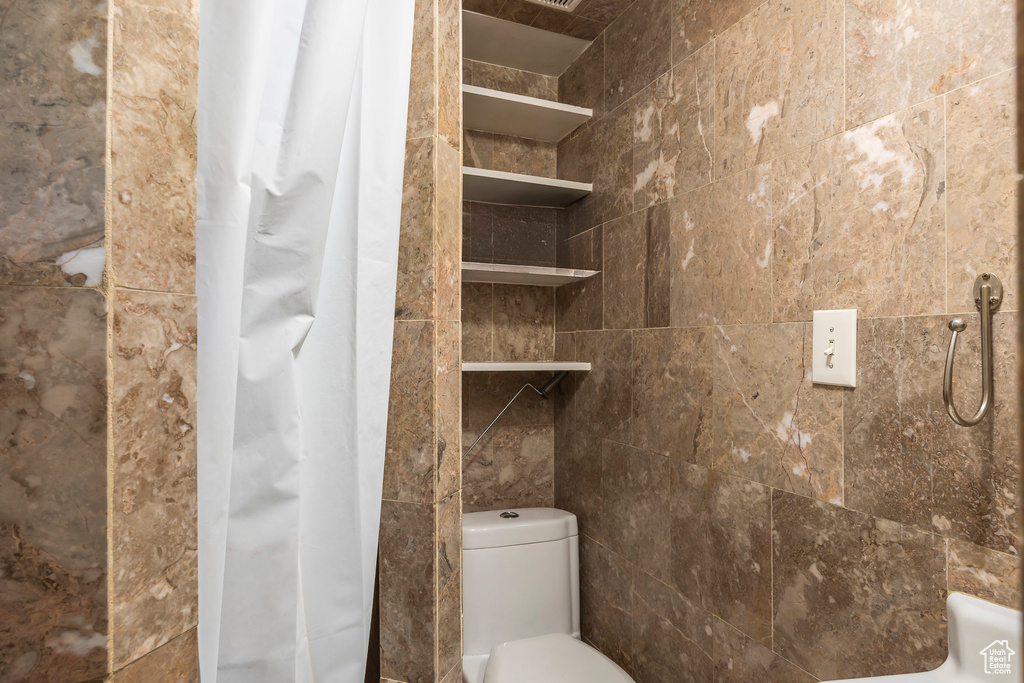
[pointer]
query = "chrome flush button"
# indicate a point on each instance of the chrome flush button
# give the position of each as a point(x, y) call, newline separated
point(509, 515)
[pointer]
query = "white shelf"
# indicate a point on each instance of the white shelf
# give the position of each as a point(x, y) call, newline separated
point(535, 366)
point(502, 274)
point(494, 111)
point(506, 43)
point(501, 187)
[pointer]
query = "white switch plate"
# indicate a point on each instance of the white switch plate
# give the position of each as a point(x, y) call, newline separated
point(836, 331)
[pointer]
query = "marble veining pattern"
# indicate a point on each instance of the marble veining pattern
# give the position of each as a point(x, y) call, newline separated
point(53, 488)
point(153, 512)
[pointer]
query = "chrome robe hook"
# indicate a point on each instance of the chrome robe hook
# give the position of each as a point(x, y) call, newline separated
point(988, 294)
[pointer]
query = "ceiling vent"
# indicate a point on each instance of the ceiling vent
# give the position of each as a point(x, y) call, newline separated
point(564, 5)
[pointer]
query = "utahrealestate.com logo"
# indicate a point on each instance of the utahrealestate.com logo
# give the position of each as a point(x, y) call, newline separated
point(997, 657)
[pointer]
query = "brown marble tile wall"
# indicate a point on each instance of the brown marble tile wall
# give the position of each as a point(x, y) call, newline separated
point(754, 161)
point(587, 21)
point(128, 322)
point(420, 575)
point(513, 465)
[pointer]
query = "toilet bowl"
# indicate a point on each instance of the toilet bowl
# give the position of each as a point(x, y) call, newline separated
point(521, 607)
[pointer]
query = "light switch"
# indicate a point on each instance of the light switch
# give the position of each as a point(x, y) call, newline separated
point(835, 348)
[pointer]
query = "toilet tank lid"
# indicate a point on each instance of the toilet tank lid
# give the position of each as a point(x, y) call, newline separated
point(529, 525)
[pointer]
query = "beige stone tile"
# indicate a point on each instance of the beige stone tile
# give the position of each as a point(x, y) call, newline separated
point(983, 573)
point(409, 466)
point(771, 424)
point(696, 22)
point(448, 380)
point(901, 53)
point(671, 409)
point(905, 459)
point(153, 147)
point(738, 659)
point(524, 323)
point(448, 233)
point(414, 299)
point(512, 467)
point(477, 321)
point(981, 234)
point(673, 131)
point(859, 220)
point(520, 155)
point(720, 252)
point(851, 591)
point(177, 661)
point(721, 548)
point(449, 75)
point(639, 49)
point(407, 591)
point(423, 96)
point(153, 471)
point(779, 82)
point(606, 601)
point(53, 483)
point(478, 150)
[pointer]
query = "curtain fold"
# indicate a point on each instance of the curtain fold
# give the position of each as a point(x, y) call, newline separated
point(302, 118)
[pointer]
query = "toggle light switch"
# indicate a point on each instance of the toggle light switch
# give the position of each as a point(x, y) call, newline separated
point(835, 348)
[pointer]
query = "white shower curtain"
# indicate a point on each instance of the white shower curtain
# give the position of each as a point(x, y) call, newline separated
point(302, 116)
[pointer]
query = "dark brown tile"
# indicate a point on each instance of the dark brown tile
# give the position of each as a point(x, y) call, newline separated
point(639, 49)
point(685, 616)
point(905, 459)
point(604, 396)
point(582, 84)
point(477, 321)
point(662, 649)
point(853, 591)
point(738, 659)
point(658, 274)
point(634, 518)
point(524, 323)
point(520, 155)
point(579, 306)
point(152, 472)
point(577, 460)
point(671, 410)
point(511, 467)
point(484, 394)
point(407, 592)
point(519, 11)
point(477, 234)
point(585, 29)
point(983, 573)
point(771, 424)
point(606, 601)
point(53, 483)
point(605, 11)
point(523, 235)
point(553, 20)
point(721, 547)
point(409, 467)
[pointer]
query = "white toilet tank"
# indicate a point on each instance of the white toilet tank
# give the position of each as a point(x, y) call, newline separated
point(521, 576)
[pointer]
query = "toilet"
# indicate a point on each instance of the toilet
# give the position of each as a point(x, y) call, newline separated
point(521, 601)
